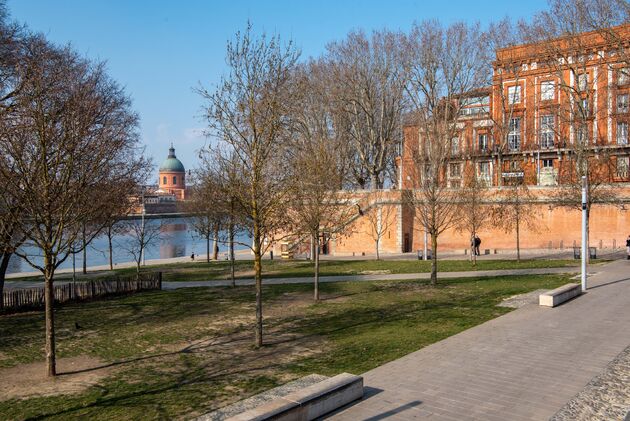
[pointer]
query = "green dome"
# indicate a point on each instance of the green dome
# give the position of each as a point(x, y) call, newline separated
point(172, 164)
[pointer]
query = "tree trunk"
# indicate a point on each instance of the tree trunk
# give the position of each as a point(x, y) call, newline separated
point(258, 276)
point(111, 248)
point(49, 294)
point(215, 253)
point(378, 257)
point(316, 281)
point(4, 264)
point(433, 259)
point(84, 252)
point(473, 255)
point(374, 184)
point(208, 249)
point(231, 252)
point(518, 240)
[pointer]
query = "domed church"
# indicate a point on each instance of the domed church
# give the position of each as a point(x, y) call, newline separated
point(173, 176)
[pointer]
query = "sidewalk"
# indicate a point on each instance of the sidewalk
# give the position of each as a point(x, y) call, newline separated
point(525, 365)
point(341, 278)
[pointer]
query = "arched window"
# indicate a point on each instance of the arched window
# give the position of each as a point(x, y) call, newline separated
point(164, 180)
point(174, 179)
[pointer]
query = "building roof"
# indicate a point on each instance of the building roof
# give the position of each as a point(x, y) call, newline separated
point(172, 164)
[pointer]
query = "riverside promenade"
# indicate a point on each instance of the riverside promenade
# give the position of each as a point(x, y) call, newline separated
point(525, 365)
point(12, 284)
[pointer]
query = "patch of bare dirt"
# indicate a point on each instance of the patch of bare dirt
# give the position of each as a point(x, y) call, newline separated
point(30, 380)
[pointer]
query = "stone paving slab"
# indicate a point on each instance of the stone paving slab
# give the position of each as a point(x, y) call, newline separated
point(525, 365)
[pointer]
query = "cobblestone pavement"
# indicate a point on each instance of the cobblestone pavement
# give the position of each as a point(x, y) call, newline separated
point(606, 397)
point(525, 365)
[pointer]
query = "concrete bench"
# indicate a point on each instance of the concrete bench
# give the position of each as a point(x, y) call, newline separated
point(309, 403)
point(559, 295)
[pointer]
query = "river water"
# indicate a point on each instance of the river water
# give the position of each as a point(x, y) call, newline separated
point(176, 238)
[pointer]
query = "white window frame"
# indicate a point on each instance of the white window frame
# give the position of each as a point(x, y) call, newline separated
point(622, 133)
point(454, 146)
point(623, 103)
point(514, 134)
point(484, 175)
point(582, 82)
point(486, 144)
point(623, 76)
point(450, 170)
point(514, 94)
point(547, 90)
point(623, 165)
point(547, 131)
point(547, 161)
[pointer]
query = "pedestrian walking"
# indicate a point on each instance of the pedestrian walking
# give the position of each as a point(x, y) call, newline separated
point(477, 244)
point(192, 257)
point(628, 248)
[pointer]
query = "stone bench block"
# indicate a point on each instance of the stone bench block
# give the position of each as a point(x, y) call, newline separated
point(559, 295)
point(309, 403)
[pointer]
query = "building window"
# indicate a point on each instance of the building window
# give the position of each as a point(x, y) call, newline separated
point(547, 124)
point(547, 90)
point(623, 163)
point(583, 82)
point(547, 163)
point(623, 76)
point(514, 94)
point(514, 134)
point(454, 146)
point(514, 166)
point(584, 108)
point(622, 133)
point(164, 180)
point(475, 105)
point(174, 179)
point(622, 103)
point(483, 142)
point(484, 171)
point(454, 170)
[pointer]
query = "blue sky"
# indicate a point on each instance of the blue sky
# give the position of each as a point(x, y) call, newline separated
point(160, 50)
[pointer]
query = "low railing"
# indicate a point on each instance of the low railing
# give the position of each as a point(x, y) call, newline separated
point(24, 299)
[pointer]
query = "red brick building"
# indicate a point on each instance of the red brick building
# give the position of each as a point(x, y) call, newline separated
point(548, 104)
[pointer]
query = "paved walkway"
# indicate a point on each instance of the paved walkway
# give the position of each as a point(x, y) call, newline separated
point(341, 278)
point(524, 365)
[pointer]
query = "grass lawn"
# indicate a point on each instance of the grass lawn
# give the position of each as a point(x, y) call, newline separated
point(166, 354)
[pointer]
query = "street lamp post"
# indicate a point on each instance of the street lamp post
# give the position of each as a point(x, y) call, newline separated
point(144, 255)
point(584, 233)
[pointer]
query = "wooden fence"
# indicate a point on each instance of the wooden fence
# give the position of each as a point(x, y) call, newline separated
point(33, 298)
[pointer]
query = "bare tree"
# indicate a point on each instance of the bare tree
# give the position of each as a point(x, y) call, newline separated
point(209, 216)
point(475, 212)
point(367, 83)
point(318, 208)
point(248, 114)
point(444, 65)
point(70, 138)
point(516, 209)
point(379, 214)
point(141, 235)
